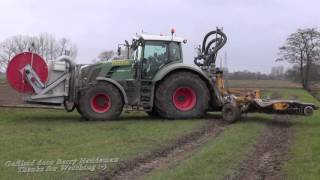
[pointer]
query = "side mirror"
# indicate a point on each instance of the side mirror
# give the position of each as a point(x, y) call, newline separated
point(119, 50)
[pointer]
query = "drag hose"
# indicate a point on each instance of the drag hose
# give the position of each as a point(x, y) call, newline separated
point(208, 52)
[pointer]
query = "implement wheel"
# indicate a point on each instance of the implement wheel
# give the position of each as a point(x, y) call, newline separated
point(231, 113)
point(102, 101)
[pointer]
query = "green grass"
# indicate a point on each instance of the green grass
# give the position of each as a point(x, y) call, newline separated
point(220, 156)
point(305, 159)
point(51, 135)
point(262, 84)
point(315, 89)
point(2, 79)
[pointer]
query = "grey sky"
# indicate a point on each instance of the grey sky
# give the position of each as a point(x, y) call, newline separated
point(255, 28)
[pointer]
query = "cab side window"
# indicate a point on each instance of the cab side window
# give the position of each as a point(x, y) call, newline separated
point(174, 51)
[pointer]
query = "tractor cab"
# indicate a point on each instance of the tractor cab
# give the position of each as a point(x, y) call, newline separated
point(147, 55)
point(153, 52)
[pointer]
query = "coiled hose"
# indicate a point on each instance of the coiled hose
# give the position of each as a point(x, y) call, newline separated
point(208, 52)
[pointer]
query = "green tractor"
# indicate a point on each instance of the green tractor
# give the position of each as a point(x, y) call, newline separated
point(151, 77)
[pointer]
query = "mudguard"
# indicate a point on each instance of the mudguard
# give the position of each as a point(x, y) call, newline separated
point(166, 70)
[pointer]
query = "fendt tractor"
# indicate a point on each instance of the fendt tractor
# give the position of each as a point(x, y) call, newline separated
point(152, 77)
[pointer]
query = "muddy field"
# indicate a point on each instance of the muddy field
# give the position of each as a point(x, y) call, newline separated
point(269, 154)
point(8, 96)
point(181, 149)
point(264, 160)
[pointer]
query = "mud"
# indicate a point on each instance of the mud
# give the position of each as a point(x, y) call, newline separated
point(180, 149)
point(8, 96)
point(269, 154)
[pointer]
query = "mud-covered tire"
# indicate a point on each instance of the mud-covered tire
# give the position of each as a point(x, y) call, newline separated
point(175, 96)
point(231, 113)
point(101, 101)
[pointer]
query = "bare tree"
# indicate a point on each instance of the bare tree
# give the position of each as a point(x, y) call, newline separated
point(302, 48)
point(106, 55)
point(45, 45)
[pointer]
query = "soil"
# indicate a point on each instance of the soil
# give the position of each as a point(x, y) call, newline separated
point(275, 95)
point(9, 96)
point(180, 149)
point(269, 154)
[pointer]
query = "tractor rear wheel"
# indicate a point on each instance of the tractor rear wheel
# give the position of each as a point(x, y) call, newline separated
point(231, 113)
point(78, 109)
point(182, 95)
point(102, 101)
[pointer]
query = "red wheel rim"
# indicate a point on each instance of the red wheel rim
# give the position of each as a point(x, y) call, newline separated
point(100, 103)
point(184, 98)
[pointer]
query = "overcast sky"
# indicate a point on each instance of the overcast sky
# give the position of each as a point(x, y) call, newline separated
point(255, 28)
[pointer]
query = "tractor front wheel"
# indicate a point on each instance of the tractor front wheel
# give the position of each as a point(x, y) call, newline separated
point(102, 101)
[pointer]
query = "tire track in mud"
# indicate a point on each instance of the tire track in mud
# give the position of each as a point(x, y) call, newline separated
point(8, 96)
point(181, 149)
point(269, 153)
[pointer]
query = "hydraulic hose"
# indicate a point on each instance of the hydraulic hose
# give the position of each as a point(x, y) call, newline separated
point(208, 52)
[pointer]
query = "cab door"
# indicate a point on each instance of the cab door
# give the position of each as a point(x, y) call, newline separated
point(155, 55)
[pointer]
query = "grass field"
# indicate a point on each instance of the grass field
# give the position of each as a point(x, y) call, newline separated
point(2, 79)
point(305, 161)
point(315, 89)
point(51, 135)
point(221, 156)
point(261, 84)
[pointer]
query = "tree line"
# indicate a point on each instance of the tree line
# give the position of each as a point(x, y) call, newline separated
point(302, 49)
point(44, 44)
point(277, 73)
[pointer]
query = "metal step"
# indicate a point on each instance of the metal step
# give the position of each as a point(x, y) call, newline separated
point(146, 91)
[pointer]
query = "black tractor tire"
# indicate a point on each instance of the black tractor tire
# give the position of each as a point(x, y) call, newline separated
point(231, 113)
point(182, 95)
point(78, 110)
point(101, 101)
point(153, 113)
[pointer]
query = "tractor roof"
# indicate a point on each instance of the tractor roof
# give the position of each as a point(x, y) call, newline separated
point(160, 37)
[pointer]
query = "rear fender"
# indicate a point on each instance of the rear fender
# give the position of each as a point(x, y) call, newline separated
point(164, 72)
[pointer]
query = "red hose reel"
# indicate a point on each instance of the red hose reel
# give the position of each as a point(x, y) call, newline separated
point(15, 71)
